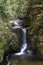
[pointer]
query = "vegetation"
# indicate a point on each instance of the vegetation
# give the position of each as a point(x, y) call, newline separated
point(32, 12)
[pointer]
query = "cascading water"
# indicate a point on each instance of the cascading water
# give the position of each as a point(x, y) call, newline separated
point(16, 25)
point(24, 45)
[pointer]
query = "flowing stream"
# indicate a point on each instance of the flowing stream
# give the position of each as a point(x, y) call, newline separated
point(24, 45)
point(24, 40)
point(22, 52)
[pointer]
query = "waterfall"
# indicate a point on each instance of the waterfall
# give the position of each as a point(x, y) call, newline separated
point(24, 41)
point(24, 45)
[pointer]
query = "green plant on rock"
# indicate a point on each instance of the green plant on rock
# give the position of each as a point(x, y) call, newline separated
point(28, 9)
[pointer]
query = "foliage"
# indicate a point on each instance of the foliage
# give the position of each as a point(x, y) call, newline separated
point(14, 7)
point(9, 9)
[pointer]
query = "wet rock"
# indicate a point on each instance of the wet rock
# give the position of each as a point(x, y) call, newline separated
point(24, 22)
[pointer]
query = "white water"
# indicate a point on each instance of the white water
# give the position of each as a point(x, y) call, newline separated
point(16, 24)
point(24, 46)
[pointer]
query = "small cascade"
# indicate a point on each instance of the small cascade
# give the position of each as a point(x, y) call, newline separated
point(24, 46)
point(24, 40)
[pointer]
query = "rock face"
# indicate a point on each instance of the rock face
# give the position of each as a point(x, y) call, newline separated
point(32, 34)
point(18, 30)
point(13, 38)
point(33, 22)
